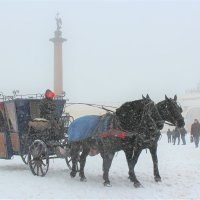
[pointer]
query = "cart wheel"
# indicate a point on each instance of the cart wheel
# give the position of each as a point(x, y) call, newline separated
point(38, 158)
point(24, 153)
point(25, 158)
point(69, 164)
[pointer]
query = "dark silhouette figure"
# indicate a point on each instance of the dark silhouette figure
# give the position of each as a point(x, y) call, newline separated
point(195, 132)
point(177, 135)
point(173, 136)
point(47, 111)
point(183, 132)
point(169, 136)
point(47, 106)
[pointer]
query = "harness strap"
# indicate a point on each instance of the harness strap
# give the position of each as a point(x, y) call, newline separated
point(170, 124)
point(117, 133)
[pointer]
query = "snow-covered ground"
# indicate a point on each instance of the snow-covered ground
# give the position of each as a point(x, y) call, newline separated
point(179, 167)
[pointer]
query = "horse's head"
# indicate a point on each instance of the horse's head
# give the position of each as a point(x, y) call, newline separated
point(154, 112)
point(171, 111)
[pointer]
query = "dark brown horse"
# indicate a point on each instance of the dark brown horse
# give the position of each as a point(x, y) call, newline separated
point(169, 111)
point(138, 119)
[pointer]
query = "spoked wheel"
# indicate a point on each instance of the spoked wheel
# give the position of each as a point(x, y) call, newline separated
point(24, 153)
point(69, 164)
point(68, 158)
point(25, 158)
point(38, 158)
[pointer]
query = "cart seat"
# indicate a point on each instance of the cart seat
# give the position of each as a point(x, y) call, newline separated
point(39, 124)
point(40, 119)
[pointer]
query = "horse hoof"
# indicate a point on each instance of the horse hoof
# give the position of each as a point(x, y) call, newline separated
point(157, 179)
point(72, 174)
point(131, 179)
point(83, 179)
point(138, 185)
point(106, 184)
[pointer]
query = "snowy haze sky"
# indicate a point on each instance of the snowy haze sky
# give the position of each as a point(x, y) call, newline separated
point(115, 50)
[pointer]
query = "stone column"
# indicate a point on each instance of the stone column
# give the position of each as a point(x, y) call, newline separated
point(58, 65)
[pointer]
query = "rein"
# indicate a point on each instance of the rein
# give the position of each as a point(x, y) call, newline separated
point(170, 124)
point(93, 105)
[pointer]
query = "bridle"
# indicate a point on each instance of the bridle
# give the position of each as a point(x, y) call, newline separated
point(170, 124)
point(164, 106)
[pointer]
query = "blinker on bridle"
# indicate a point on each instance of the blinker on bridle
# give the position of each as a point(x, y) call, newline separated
point(169, 114)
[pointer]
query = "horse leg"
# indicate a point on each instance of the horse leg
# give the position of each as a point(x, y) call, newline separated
point(128, 154)
point(107, 161)
point(153, 151)
point(132, 167)
point(74, 156)
point(82, 163)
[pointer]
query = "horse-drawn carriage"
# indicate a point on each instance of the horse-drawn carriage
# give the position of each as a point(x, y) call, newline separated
point(133, 127)
point(35, 139)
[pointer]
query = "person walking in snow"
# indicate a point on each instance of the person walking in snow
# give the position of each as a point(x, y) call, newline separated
point(195, 132)
point(177, 135)
point(183, 133)
point(173, 136)
point(169, 136)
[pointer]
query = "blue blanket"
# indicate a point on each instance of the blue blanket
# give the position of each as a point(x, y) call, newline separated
point(82, 127)
point(88, 126)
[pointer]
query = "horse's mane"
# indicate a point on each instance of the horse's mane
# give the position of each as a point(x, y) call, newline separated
point(136, 105)
point(130, 114)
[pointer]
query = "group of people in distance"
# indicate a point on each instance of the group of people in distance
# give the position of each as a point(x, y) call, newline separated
point(178, 133)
